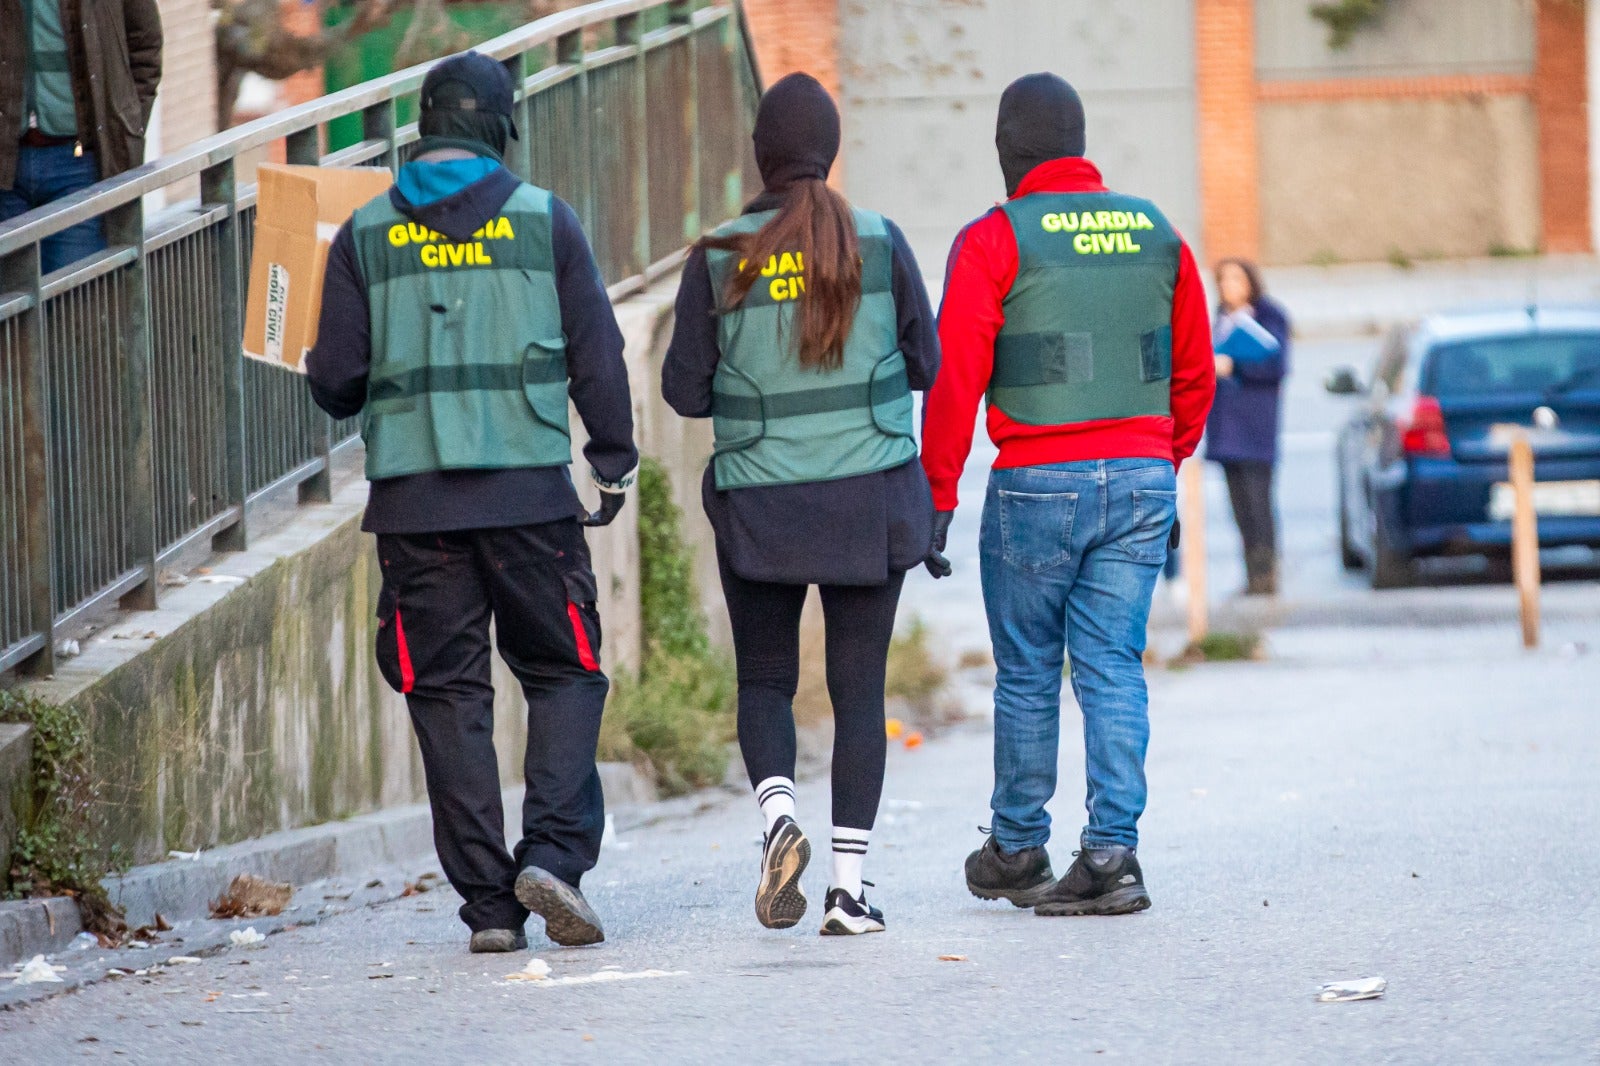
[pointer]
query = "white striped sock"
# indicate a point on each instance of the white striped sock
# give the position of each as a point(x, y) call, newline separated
point(849, 852)
point(776, 797)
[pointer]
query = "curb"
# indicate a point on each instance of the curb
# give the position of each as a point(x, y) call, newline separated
point(182, 889)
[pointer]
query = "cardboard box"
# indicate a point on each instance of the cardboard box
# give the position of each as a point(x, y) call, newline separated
point(298, 211)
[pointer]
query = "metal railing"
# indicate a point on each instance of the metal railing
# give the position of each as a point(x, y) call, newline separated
point(132, 429)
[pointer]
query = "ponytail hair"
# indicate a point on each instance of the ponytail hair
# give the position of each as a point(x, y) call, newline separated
point(815, 222)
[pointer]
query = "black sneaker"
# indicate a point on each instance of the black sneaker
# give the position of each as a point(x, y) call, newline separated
point(1019, 877)
point(1101, 881)
point(847, 917)
point(568, 918)
point(493, 941)
point(780, 901)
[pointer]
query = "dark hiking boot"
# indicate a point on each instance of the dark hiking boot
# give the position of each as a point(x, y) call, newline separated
point(1101, 881)
point(568, 918)
point(494, 941)
point(1019, 877)
point(780, 901)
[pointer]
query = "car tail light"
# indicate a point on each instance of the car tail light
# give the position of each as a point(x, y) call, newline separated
point(1424, 434)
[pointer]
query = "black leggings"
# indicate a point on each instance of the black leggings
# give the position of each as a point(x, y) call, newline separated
point(859, 620)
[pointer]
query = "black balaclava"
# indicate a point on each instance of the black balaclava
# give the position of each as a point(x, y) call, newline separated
point(797, 132)
point(466, 103)
point(1041, 118)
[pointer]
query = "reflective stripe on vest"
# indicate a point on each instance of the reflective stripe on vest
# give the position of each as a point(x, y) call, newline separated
point(469, 367)
point(1087, 331)
point(778, 423)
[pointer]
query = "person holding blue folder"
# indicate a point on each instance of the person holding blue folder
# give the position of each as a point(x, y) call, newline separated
point(1251, 339)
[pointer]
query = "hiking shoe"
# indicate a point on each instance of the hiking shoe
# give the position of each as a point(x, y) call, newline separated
point(1019, 877)
point(493, 941)
point(847, 917)
point(1101, 881)
point(780, 901)
point(568, 918)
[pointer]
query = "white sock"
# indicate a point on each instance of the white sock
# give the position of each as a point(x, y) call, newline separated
point(849, 852)
point(776, 796)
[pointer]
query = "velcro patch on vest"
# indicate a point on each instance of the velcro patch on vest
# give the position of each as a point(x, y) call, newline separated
point(1024, 359)
point(863, 394)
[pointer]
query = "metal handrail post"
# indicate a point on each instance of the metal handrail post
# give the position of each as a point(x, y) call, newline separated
point(218, 187)
point(20, 272)
point(125, 227)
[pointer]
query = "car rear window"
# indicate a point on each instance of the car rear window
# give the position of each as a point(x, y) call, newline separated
point(1513, 364)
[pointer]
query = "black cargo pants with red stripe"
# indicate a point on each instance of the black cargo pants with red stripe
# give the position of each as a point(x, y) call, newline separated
point(440, 591)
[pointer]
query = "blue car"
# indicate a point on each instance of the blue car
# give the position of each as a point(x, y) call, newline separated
point(1422, 467)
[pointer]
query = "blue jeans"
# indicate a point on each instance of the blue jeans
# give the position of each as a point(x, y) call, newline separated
point(1070, 554)
point(45, 175)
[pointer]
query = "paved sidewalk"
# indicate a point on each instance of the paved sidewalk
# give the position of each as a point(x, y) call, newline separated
point(1372, 801)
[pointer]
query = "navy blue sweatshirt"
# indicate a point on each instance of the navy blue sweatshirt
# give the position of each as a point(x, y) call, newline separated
point(853, 531)
point(1243, 427)
point(338, 365)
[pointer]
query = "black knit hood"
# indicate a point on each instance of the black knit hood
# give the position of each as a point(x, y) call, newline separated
point(797, 132)
point(1041, 118)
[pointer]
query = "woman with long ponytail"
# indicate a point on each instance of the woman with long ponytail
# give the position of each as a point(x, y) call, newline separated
point(803, 327)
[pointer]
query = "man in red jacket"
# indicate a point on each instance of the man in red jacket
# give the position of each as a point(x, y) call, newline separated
point(1080, 314)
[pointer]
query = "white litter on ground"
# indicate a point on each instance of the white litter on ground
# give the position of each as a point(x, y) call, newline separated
point(609, 838)
point(1349, 991)
point(536, 970)
point(36, 970)
point(246, 938)
point(189, 856)
point(608, 975)
point(183, 960)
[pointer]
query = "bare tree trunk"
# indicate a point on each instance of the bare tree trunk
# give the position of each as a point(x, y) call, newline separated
point(251, 39)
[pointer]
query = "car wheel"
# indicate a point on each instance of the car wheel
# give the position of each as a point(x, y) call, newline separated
point(1349, 558)
point(1390, 569)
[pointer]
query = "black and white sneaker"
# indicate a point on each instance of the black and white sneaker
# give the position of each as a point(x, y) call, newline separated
point(780, 901)
point(847, 917)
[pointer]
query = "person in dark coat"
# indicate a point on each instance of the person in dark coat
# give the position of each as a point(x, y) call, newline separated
point(78, 80)
point(460, 312)
point(802, 329)
point(1242, 432)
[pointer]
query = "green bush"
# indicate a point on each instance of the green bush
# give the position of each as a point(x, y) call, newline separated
point(58, 851)
point(913, 673)
point(678, 713)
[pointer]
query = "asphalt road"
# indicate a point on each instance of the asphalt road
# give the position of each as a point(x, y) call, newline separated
point(1420, 804)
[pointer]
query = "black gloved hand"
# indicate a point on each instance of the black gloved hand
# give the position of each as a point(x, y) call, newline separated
point(936, 563)
point(610, 504)
point(1175, 536)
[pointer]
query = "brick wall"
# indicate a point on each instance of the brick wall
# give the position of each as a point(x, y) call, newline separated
point(188, 94)
point(1226, 95)
point(1560, 95)
point(793, 35)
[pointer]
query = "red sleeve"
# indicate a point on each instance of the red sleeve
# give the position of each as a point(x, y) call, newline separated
point(1194, 367)
point(980, 271)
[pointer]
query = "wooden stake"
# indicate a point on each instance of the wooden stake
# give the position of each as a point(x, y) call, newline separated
point(1525, 538)
point(1193, 547)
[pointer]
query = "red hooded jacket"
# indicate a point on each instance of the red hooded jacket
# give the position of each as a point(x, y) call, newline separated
point(980, 272)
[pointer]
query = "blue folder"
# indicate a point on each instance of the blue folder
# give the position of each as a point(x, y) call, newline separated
point(1247, 341)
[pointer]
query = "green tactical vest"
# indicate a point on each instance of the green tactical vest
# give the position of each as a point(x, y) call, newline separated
point(469, 368)
point(1088, 321)
point(778, 423)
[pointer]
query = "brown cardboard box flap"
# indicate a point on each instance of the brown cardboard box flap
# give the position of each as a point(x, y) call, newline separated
point(298, 211)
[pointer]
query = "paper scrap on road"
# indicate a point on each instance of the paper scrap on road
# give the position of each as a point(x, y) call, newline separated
point(36, 970)
point(604, 976)
point(609, 838)
point(952, 958)
point(1349, 991)
point(536, 970)
point(183, 960)
point(246, 938)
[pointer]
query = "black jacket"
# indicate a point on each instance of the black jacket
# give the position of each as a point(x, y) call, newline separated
point(447, 500)
point(114, 51)
point(853, 531)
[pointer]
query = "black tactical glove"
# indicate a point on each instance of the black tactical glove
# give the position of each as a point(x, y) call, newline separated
point(936, 563)
point(613, 494)
point(610, 504)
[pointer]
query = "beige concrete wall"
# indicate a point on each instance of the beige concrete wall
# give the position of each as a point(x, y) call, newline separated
point(1354, 180)
point(188, 94)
